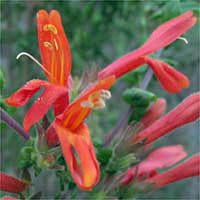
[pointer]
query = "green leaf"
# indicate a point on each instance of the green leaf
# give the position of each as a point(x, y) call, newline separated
point(104, 155)
point(10, 110)
point(138, 97)
point(2, 80)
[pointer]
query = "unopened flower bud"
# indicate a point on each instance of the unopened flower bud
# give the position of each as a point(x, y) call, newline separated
point(154, 112)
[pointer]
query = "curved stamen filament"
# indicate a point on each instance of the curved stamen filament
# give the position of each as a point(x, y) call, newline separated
point(35, 60)
point(184, 39)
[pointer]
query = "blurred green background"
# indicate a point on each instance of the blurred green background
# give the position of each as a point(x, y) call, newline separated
point(99, 32)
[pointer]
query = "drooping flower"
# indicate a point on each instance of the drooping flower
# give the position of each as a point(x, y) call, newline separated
point(56, 57)
point(161, 158)
point(11, 184)
point(187, 169)
point(187, 112)
point(73, 134)
point(161, 37)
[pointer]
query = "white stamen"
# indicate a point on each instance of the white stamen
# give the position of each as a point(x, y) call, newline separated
point(56, 44)
point(34, 59)
point(184, 39)
point(87, 104)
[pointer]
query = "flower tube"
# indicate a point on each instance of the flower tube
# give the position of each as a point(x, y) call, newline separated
point(161, 37)
point(158, 159)
point(187, 169)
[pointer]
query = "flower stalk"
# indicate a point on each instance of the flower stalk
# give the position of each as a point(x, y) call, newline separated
point(13, 124)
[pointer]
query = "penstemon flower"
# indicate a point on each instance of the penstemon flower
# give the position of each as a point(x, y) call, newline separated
point(161, 37)
point(73, 133)
point(56, 57)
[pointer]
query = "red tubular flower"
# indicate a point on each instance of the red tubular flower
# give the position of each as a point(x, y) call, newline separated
point(188, 168)
point(161, 37)
point(11, 184)
point(55, 53)
point(73, 134)
point(154, 112)
point(187, 112)
point(158, 159)
point(56, 57)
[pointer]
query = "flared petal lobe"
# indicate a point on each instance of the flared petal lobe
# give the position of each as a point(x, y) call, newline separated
point(188, 168)
point(161, 37)
point(23, 95)
point(158, 159)
point(49, 97)
point(54, 47)
point(170, 79)
point(86, 173)
point(11, 184)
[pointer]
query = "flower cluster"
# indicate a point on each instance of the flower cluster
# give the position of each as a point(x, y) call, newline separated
point(68, 129)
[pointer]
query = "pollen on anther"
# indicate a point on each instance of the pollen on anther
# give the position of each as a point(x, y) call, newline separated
point(50, 27)
point(49, 45)
point(99, 105)
point(105, 94)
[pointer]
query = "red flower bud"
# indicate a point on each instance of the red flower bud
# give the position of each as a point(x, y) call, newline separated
point(11, 184)
point(158, 159)
point(154, 112)
point(187, 112)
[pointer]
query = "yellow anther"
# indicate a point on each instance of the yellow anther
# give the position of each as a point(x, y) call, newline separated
point(50, 27)
point(97, 100)
point(49, 45)
point(99, 104)
point(56, 44)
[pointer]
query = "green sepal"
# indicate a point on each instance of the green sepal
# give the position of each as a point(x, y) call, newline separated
point(140, 100)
